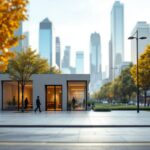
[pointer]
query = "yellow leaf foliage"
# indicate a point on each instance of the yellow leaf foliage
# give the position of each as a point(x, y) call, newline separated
point(143, 70)
point(12, 13)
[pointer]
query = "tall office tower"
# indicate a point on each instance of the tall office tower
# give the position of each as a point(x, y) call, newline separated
point(25, 41)
point(79, 62)
point(110, 61)
point(117, 35)
point(143, 30)
point(95, 56)
point(66, 58)
point(58, 52)
point(18, 33)
point(46, 46)
point(95, 62)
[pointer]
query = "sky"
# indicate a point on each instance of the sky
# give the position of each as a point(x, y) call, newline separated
point(75, 20)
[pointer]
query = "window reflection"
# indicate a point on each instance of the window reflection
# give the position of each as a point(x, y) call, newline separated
point(54, 98)
point(10, 95)
point(76, 95)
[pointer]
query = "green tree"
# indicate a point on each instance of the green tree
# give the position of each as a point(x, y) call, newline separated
point(143, 71)
point(24, 65)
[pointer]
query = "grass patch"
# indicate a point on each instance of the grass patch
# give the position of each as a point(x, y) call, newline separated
point(109, 107)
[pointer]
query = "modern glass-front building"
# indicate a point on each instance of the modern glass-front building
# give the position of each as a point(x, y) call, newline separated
point(79, 62)
point(46, 40)
point(117, 35)
point(56, 92)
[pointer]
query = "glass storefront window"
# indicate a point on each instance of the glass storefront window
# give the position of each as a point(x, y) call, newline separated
point(28, 93)
point(10, 95)
point(77, 95)
point(54, 97)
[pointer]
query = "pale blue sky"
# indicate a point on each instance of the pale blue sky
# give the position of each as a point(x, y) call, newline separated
point(75, 20)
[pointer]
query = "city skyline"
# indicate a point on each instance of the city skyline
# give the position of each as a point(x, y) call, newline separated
point(75, 21)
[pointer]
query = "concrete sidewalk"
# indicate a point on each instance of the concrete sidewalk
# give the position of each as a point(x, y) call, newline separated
point(75, 118)
point(75, 135)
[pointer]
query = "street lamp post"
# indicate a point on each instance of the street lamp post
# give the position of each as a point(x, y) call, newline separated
point(137, 68)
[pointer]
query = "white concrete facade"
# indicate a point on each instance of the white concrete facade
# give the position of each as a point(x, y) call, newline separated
point(40, 81)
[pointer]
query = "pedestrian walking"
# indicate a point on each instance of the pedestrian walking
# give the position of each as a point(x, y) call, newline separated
point(38, 104)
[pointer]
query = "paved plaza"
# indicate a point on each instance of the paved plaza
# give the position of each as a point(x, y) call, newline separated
point(76, 135)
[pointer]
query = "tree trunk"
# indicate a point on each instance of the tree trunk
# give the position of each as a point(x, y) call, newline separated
point(22, 90)
point(145, 95)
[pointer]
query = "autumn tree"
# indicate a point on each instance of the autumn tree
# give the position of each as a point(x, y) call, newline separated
point(121, 89)
point(54, 70)
point(143, 71)
point(127, 84)
point(12, 13)
point(24, 65)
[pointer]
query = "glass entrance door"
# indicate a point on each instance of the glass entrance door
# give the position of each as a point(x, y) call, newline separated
point(53, 97)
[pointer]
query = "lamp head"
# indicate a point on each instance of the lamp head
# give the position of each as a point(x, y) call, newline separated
point(143, 37)
point(131, 38)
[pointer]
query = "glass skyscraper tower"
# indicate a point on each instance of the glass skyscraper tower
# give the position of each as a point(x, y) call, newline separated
point(117, 35)
point(58, 53)
point(79, 62)
point(95, 62)
point(46, 40)
point(95, 56)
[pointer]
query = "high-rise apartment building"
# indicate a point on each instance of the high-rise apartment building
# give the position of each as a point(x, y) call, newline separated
point(79, 62)
point(143, 29)
point(58, 52)
point(46, 46)
point(117, 35)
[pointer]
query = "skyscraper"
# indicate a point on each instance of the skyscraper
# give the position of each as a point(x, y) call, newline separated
point(95, 62)
point(25, 41)
point(117, 35)
point(95, 56)
point(18, 32)
point(79, 62)
point(143, 30)
point(66, 58)
point(110, 61)
point(46, 47)
point(58, 52)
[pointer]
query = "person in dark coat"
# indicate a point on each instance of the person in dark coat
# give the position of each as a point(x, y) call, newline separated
point(26, 103)
point(38, 104)
point(73, 103)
